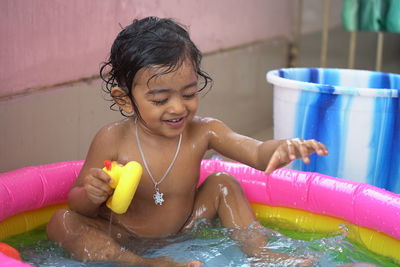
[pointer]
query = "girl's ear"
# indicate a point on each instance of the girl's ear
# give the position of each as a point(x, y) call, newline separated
point(122, 100)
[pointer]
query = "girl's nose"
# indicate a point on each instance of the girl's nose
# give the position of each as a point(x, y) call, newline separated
point(177, 105)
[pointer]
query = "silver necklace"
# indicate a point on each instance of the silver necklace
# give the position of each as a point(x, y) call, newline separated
point(157, 196)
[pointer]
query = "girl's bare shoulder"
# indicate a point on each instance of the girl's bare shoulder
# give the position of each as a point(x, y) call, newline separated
point(206, 122)
point(206, 128)
point(208, 125)
point(114, 130)
point(107, 142)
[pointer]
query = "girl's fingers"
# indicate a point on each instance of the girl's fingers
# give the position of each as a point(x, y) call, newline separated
point(279, 159)
point(97, 185)
point(318, 147)
point(273, 162)
point(101, 175)
point(98, 190)
point(321, 148)
point(291, 149)
point(105, 187)
point(96, 195)
point(302, 148)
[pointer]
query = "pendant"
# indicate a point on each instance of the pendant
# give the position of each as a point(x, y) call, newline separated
point(158, 197)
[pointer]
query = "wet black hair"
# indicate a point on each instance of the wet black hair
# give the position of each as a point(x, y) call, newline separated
point(149, 42)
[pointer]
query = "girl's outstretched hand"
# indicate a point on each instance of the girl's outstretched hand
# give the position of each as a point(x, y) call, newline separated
point(291, 149)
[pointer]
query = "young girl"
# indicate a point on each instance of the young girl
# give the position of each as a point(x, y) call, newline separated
point(155, 80)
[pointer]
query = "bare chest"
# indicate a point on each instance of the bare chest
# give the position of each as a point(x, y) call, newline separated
point(172, 176)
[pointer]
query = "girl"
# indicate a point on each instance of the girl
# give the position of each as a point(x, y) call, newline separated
point(155, 79)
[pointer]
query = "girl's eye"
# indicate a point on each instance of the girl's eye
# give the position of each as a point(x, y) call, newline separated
point(189, 96)
point(159, 102)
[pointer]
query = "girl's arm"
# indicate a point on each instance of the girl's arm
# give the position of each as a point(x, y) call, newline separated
point(91, 189)
point(266, 156)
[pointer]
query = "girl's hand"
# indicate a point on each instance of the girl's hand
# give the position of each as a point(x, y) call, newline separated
point(97, 186)
point(291, 149)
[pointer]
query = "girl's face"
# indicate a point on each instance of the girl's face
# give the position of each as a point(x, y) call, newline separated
point(167, 103)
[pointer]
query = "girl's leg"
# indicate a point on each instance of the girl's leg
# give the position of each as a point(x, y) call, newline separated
point(88, 239)
point(222, 196)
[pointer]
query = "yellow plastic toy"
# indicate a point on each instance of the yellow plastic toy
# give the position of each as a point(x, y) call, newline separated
point(125, 182)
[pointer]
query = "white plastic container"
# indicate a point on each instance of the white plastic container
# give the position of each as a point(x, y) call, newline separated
point(355, 113)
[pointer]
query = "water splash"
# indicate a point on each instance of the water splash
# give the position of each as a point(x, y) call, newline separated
point(212, 245)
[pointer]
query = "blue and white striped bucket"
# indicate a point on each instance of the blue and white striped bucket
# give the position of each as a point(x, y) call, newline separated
point(356, 113)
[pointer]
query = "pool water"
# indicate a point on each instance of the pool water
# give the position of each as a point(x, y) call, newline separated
point(213, 247)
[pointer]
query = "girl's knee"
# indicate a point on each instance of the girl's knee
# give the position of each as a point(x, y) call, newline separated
point(231, 203)
point(54, 225)
point(57, 218)
point(225, 181)
point(60, 224)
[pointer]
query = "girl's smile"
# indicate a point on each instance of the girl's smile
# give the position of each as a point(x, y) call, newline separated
point(166, 101)
point(176, 123)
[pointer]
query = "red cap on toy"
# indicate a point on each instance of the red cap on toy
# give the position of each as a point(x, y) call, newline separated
point(108, 164)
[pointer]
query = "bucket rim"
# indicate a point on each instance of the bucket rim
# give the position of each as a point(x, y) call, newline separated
point(273, 77)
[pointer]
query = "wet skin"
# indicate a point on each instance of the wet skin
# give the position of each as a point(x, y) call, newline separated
point(167, 104)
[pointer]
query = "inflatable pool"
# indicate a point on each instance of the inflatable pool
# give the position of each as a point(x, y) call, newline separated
point(304, 201)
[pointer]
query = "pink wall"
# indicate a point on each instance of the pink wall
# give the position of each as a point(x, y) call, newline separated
point(47, 42)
